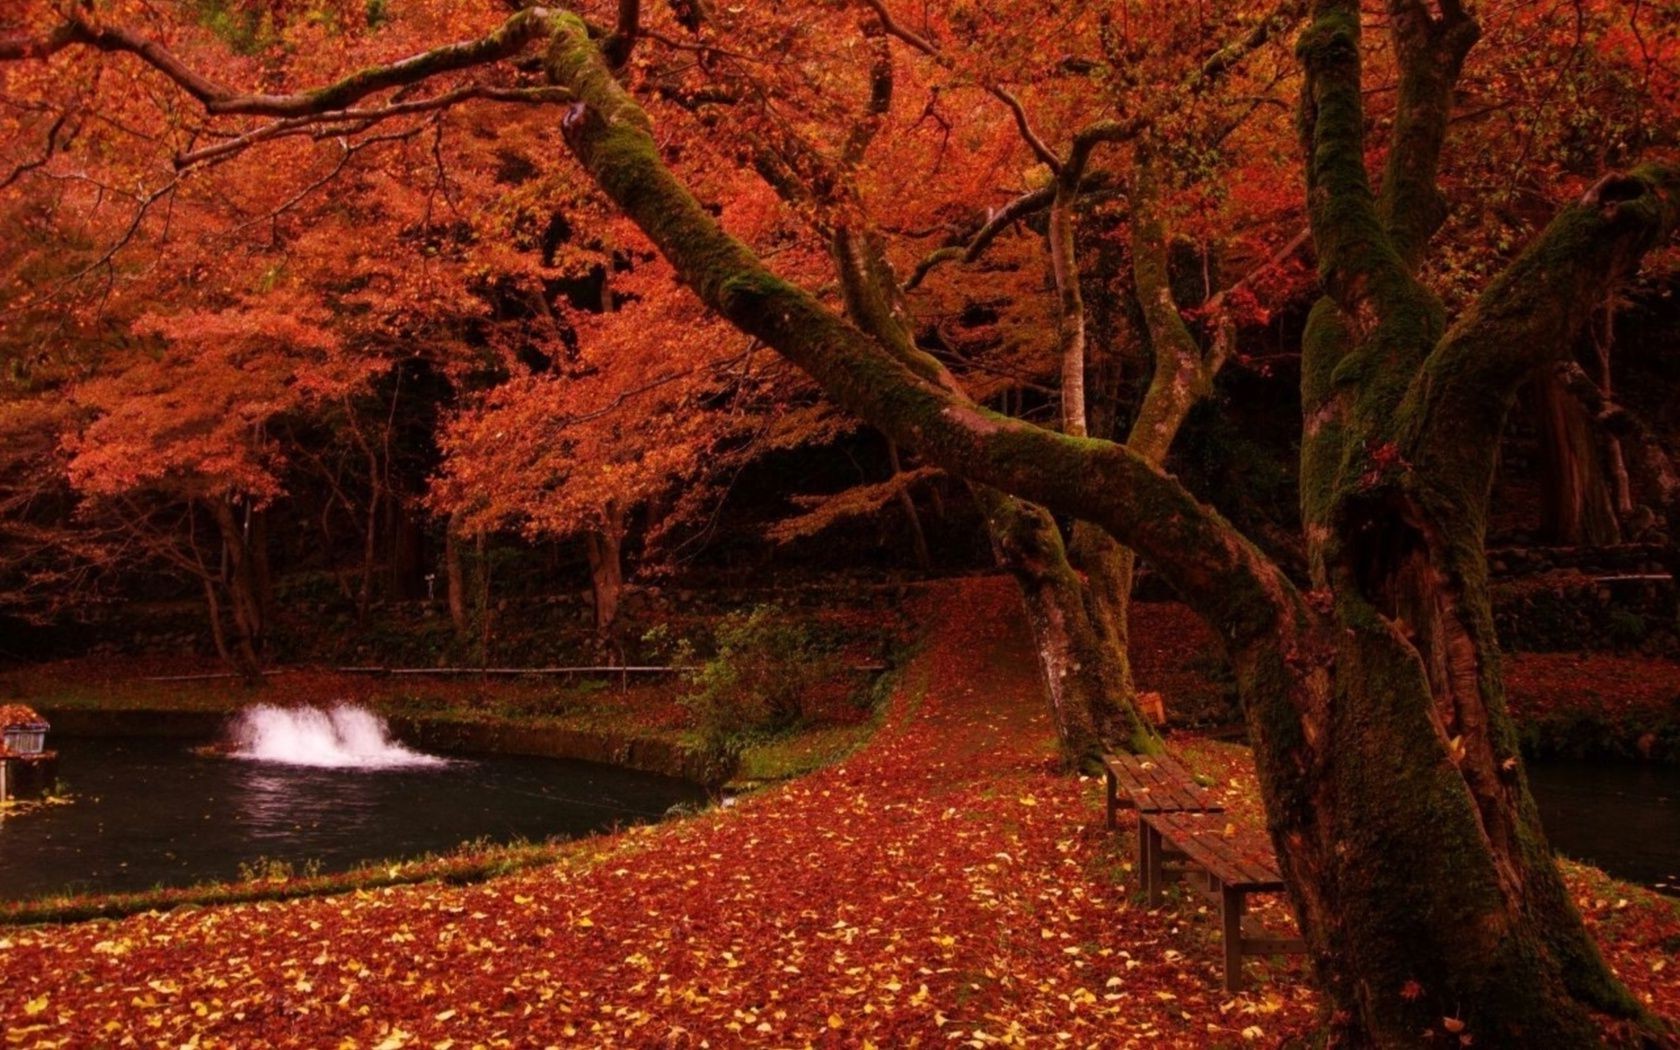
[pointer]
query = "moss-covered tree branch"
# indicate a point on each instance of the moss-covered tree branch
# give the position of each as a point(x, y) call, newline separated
point(1450, 421)
point(1431, 50)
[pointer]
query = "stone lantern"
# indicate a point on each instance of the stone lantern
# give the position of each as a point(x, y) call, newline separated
point(27, 768)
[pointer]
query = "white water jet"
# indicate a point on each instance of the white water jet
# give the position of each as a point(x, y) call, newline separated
point(340, 737)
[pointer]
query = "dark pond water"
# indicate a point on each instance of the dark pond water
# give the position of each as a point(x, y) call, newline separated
point(151, 812)
point(1622, 817)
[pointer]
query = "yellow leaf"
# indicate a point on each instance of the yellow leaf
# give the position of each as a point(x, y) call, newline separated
point(35, 1006)
point(834, 1021)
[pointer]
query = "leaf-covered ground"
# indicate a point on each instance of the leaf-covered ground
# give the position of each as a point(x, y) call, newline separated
point(942, 887)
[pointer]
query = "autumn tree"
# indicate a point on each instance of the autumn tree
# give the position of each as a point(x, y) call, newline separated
point(1373, 695)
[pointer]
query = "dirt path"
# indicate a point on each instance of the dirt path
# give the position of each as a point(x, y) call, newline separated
point(942, 887)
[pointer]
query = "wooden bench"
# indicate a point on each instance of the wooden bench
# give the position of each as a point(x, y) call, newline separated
point(1235, 863)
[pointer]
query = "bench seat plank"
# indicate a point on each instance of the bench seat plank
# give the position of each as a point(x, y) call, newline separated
point(1153, 784)
point(1239, 857)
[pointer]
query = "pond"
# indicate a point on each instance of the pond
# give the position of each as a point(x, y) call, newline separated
point(150, 812)
point(1623, 817)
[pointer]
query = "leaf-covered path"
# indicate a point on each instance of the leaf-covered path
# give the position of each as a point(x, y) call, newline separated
point(941, 882)
point(942, 887)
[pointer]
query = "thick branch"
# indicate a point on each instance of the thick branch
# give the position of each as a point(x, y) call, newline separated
point(1529, 317)
point(1431, 52)
point(1181, 377)
point(1070, 304)
point(1356, 260)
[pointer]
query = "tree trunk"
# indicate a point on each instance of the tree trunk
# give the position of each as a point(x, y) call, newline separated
point(218, 634)
point(455, 577)
point(1576, 499)
point(1109, 568)
point(483, 600)
point(243, 600)
point(262, 573)
point(1424, 885)
point(605, 547)
point(370, 538)
point(1085, 677)
point(406, 568)
point(907, 503)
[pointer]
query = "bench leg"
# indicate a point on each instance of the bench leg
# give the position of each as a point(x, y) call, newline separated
point(1231, 903)
point(1113, 800)
point(1149, 849)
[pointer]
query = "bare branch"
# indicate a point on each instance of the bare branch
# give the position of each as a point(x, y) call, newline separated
point(998, 221)
point(1022, 123)
point(505, 41)
point(361, 119)
point(893, 28)
point(46, 153)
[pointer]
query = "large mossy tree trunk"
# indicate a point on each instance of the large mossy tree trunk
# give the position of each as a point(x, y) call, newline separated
point(1423, 880)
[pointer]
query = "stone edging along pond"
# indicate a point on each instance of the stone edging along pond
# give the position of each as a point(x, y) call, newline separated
point(643, 754)
point(639, 753)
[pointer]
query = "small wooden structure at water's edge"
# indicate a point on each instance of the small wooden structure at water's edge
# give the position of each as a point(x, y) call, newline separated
point(27, 768)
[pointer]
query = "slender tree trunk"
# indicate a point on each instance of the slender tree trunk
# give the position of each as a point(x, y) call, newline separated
point(262, 572)
point(370, 539)
point(907, 503)
point(455, 577)
point(218, 635)
point(243, 600)
point(1615, 461)
point(605, 547)
point(483, 601)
